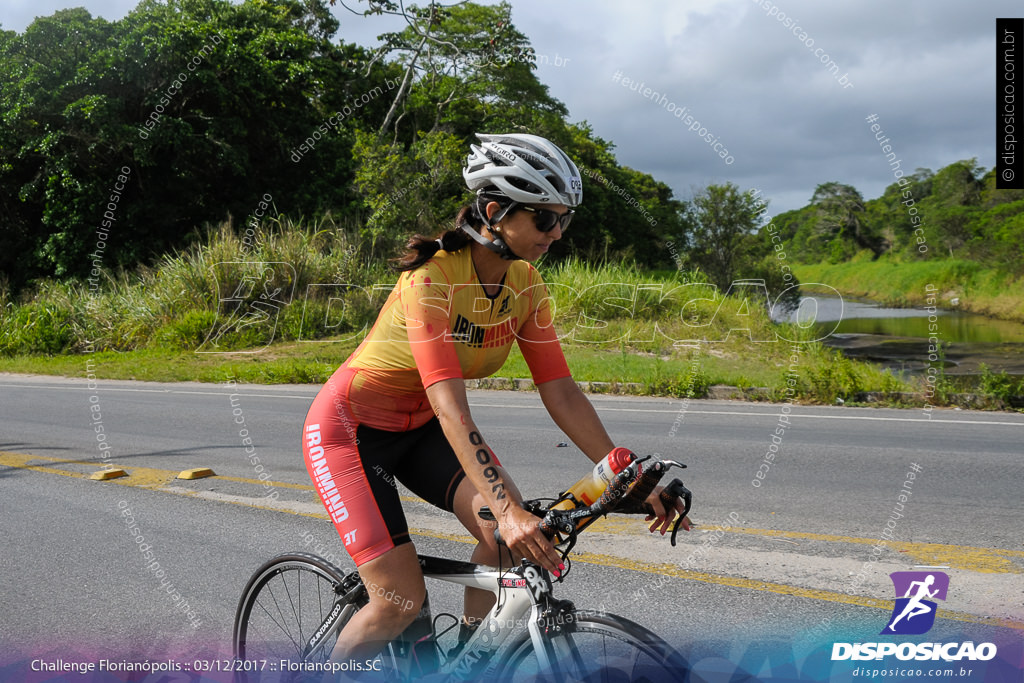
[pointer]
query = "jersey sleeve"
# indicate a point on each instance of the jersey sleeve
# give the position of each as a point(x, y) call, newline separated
point(538, 339)
point(425, 299)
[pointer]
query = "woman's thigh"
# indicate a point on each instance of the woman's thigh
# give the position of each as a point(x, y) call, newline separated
point(350, 467)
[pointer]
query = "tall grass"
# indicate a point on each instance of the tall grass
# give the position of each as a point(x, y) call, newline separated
point(176, 302)
point(289, 281)
point(671, 331)
point(305, 282)
point(617, 303)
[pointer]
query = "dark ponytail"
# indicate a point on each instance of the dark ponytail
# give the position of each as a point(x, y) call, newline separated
point(421, 248)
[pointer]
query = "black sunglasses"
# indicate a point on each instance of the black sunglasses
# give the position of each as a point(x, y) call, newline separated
point(546, 219)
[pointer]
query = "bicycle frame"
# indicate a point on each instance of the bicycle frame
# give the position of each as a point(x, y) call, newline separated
point(519, 591)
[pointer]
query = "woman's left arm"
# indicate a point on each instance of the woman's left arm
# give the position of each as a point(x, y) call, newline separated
point(574, 414)
point(567, 405)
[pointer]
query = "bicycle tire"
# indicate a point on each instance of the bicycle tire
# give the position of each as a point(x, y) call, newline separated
point(277, 615)
point(597, 647)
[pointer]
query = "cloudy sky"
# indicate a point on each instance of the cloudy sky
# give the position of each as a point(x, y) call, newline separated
point(751, 73)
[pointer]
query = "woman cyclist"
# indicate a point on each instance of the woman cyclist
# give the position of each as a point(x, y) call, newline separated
point(397, 408)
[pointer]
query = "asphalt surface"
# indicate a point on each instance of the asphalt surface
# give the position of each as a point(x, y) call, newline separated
point(786, 567)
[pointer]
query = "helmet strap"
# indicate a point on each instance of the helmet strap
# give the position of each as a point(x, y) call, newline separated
point(497, 245)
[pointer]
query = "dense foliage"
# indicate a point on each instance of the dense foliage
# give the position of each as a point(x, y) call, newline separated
point(123, 140)
point(954, 213)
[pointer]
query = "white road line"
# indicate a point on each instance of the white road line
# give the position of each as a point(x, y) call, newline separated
point(108, 389)
point(601, 408)
point(540, 406)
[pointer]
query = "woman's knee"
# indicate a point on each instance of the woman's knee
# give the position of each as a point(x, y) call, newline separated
point(397, 606)
point(467, 505)
point(395, 587)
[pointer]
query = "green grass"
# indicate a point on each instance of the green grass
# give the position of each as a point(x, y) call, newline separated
point(669, 332)
point(286, 363)
point(176, 303)
point(825, 375)
point(978, 289)
point(308, 283)
point(817, 375)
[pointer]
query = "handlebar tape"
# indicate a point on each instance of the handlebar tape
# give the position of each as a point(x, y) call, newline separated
point(634, 501)
point(615, 491)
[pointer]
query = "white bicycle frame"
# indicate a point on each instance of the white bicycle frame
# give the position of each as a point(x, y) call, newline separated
point(519, 591)
point(523, 595)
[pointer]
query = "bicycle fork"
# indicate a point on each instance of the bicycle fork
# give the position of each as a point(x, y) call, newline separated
point(350, 593)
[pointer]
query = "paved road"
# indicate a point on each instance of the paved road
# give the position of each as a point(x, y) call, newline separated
point(783, 560)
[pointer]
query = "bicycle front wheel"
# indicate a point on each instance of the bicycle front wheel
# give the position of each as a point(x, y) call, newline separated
point(282, 608)
point(593, 647)
point(283, 605)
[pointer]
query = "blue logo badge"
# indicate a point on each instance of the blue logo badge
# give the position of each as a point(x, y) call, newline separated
point(914, 611)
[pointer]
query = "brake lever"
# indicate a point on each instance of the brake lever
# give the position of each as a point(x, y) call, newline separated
point(668, 497)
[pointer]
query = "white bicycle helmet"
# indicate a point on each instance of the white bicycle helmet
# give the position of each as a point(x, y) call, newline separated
point(527, 169)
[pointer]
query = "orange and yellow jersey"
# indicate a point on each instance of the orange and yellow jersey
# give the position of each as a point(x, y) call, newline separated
point(437, 324)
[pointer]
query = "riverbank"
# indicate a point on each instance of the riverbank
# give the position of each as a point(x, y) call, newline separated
point(956, 284)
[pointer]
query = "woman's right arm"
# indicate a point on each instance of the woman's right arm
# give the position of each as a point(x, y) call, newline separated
point(518, 527)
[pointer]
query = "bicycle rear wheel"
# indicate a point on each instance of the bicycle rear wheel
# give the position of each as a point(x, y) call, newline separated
point(282, 607)
point(595, 647)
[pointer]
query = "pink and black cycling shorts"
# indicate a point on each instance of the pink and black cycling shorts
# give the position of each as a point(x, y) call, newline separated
point(354, 468)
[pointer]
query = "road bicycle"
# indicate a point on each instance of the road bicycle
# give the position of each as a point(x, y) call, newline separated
point(294, 607)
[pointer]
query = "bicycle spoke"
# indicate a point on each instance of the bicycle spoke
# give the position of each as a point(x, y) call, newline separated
point(320, 602)
point(278, 623)
point(296, 612)
point(287, 632)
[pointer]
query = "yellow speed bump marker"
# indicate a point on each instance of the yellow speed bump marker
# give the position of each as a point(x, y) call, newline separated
point(196, 473)
point(110, 473)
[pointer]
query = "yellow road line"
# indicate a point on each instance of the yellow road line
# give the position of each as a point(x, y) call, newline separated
point(783, 589)
point(144, 477)
point(982, 560)
point(21, 462)
point(140, 477)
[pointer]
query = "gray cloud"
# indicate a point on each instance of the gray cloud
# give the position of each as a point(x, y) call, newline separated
point(926, 68)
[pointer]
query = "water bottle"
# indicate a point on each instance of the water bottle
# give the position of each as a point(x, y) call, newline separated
point(589, 488)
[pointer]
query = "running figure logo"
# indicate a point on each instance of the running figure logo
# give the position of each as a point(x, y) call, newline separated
point(914, 613)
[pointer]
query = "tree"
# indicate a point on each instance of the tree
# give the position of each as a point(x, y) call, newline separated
point(840, 212)
point(407, 191)
point(467, 69)
point(49, 126)
point(211, 105)
point(204, 101)
point(722, 217)
point(954, 213)
point(958, 184)
point(455, 55)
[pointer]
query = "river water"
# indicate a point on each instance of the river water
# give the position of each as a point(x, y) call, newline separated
point(897, 338)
